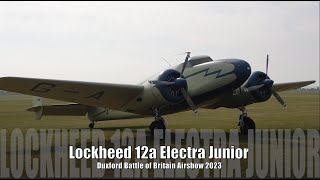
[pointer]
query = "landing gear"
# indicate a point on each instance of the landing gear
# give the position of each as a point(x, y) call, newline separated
point(158, 123)
point(91, 125)
point(245, 122)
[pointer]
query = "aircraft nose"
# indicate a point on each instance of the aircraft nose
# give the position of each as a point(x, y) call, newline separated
point(242, 70)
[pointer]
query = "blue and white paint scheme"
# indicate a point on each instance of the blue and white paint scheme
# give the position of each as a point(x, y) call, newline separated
point(198, 82)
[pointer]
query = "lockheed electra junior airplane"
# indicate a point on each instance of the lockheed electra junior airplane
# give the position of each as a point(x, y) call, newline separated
point(197, 82)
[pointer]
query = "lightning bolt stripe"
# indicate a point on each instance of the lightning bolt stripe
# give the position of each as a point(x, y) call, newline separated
point(211, 73)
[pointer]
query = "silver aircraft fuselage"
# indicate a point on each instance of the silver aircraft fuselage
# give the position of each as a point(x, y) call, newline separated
point(207, 82)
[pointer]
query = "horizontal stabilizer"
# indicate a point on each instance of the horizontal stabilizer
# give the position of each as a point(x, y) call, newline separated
point(56, 109)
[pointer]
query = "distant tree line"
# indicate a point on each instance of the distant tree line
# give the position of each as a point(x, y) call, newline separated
point(309, 89)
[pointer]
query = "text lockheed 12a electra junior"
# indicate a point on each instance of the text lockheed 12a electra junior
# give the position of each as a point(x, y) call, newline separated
point(198, 82)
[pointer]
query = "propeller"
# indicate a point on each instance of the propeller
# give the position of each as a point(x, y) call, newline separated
point(268, 83)
point(276, 95)
point(189, 100)
point(162, 83)
point(185, 63)
point(180, 83)
point(253, 88)
point(267, 65)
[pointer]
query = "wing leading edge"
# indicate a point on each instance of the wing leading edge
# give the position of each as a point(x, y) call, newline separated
point(113, 96)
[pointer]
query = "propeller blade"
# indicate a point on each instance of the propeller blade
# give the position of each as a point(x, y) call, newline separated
point(276, 95)
point(267, 65)
point(182, 53)
point(161, 82)
point(253, 88)
point(266, 82)
point(189, 100)
point(185, 63)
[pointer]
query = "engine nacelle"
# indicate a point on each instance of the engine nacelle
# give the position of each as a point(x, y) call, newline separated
point(170, 93)
point(261, 94)
point(243, 98)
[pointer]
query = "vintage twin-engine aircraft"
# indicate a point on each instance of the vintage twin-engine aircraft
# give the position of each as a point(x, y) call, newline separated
point(197, 82)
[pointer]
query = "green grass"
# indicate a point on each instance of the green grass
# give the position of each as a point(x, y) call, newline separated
point(302, 112)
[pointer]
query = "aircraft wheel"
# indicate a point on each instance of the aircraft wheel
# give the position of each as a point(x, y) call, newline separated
point(246, 124)
point(251, 124)
point(91, 125)
point(157, 124)
point(244, 130)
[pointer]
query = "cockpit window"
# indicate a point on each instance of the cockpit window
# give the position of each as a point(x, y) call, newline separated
point(199, 60)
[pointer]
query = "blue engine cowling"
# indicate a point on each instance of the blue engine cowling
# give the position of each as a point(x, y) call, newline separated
point(171, 93)
point(261, 94)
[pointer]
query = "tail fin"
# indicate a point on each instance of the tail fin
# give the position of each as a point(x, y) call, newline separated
point(37, 105)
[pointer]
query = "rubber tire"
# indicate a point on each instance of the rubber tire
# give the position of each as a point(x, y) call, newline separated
point(248, 124)
point(251, 124)
point(158, 124)
point(244, 130)
point(91, 125)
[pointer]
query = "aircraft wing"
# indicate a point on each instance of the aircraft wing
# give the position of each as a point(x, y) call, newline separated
point(291, 85)
point(113, 96)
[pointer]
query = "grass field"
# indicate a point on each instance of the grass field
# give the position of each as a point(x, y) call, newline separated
point(302, 112)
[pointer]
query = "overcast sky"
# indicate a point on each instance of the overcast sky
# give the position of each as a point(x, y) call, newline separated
point(123, 42)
